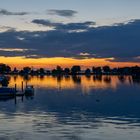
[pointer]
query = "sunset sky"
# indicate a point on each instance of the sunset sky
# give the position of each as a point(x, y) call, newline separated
point(46, 33)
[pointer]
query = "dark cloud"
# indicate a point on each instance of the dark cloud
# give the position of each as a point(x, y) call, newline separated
point(8, 13)
point(46, 22)
point(121, 41)
point(63, 13)
point(62, 26)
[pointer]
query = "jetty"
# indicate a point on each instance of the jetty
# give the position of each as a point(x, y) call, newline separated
point(8, 92)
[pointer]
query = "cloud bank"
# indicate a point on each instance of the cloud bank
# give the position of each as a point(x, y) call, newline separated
point(121, 41)
point(66, 27)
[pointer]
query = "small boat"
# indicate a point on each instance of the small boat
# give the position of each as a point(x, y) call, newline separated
point(7, 92)
point(29, 90)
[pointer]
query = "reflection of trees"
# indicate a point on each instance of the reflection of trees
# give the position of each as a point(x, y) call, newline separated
point(136, 79)
point(76, 79)
point(130, 80)
point(67, 77)
point(122, 78)
point(59, 78)
point(15, 78)
point(107, 79)
point(26, 78)
point(41, 77)
point(88, 77)
point(97, 78)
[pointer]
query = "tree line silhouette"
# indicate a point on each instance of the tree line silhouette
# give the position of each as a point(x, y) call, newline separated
point(74, 70)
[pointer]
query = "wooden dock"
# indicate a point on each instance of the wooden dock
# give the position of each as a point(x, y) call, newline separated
point(19, 93)
point(14, 93)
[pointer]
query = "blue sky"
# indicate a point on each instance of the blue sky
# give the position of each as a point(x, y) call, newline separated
point(103, 12)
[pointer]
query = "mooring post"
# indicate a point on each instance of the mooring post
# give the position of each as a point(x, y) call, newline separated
point(15, 93)
point(22, 86)
point(15, 88)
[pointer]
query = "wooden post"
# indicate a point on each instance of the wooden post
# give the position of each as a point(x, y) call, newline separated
point(15, 93)
point(22, 86)
point(15, 88)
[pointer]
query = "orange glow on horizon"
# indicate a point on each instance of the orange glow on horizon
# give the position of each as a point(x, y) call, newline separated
point(50, 63)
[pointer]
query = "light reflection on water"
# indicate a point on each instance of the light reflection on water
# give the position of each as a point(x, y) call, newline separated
point(75, 108)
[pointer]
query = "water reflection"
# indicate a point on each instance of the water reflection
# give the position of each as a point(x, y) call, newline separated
point(73, 81)
point(79, 107)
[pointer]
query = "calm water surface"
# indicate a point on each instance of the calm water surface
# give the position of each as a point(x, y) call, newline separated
point(73, 108)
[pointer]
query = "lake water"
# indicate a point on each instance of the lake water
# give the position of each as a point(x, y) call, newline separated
point(73, 108)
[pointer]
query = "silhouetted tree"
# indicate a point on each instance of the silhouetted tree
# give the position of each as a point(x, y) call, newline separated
point(75, 70)
point(87, 71)
point(54, 72)
point(15, 71)
point(124, 71)
point(97, 70)
point(48, 72)
point(26, 70)
point(41, 71)
point(67, 71)
point(106, 69)
point(4, 69)
point(114, 71)
point(59, 70)
point(135, 70)
point(33, 72)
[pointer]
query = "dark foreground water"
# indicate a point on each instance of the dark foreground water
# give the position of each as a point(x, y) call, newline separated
point(73, 108)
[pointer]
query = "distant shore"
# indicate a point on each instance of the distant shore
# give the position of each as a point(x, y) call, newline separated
point(74, 70)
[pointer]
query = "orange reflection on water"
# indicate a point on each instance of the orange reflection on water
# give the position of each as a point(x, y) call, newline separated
point(86, 83)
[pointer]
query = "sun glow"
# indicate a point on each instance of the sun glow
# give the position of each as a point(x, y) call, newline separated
point(50, 63)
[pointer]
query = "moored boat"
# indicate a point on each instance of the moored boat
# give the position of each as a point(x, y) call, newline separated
point(5, 91)
point(29, 90)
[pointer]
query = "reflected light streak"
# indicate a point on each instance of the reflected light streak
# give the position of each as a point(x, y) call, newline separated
point(86, 84)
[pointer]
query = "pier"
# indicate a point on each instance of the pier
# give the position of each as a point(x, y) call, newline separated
point(12, 93)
